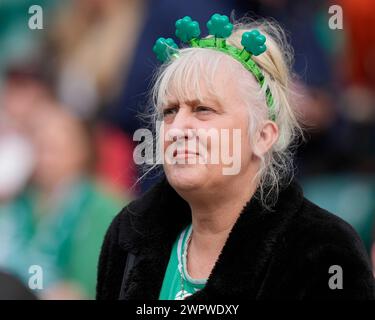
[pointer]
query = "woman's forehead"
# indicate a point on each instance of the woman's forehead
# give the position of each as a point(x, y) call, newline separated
point(201, 78)
point(217, 94)
point(197, 91)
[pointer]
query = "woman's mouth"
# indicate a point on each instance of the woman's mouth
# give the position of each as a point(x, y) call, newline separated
point(184, 153)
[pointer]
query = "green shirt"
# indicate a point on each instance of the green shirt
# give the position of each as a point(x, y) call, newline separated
point(177, 283)
point(65, 240)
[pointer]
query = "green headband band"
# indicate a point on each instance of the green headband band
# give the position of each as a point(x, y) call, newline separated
point(219, 26)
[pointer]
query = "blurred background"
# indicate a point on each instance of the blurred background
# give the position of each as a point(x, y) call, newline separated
point(70, 98)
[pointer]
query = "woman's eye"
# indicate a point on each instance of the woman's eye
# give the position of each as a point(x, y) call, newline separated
point(203, 109)
point(169, 111)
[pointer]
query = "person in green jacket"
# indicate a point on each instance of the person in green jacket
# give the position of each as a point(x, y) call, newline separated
point(55, 227)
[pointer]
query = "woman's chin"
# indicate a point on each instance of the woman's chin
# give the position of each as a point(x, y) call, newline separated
point(185, 177)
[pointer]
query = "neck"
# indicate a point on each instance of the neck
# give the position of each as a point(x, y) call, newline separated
point(214, 214)
point(212, 222)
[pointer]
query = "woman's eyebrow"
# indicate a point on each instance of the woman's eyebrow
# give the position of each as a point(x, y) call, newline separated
point(210, 102)
point(192, 102)
point(206, 101)
point(195, 102)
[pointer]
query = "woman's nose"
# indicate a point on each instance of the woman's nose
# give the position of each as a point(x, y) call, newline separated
point(181, 127)
point(175, 134)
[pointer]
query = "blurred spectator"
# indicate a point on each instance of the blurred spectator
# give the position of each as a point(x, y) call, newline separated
point(24, 92)
point(27, 87)
point(58, 221)
point(92, 44)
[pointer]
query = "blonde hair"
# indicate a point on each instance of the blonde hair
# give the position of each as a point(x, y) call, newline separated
point(196, 64)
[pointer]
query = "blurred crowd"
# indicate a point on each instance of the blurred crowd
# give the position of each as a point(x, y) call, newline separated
point(70, 99)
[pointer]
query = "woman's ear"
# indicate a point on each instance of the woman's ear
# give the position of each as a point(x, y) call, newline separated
point(267, 135)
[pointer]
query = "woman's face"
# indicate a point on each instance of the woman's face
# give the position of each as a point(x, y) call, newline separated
point(206, 143)
point(62, 149)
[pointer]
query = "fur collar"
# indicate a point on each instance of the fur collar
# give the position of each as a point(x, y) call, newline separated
point(150, 225)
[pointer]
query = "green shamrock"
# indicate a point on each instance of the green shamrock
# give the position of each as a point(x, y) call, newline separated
point(164, 48)
point(219, 26)
point(254, 42)
point(187, 29)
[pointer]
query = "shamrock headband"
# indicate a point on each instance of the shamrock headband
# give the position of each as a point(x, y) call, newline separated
point(188, 31)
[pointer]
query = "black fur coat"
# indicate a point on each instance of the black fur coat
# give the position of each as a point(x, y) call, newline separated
point(285, 254)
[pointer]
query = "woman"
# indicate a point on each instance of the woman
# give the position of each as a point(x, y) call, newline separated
point(56, 224)
point(206, 231)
